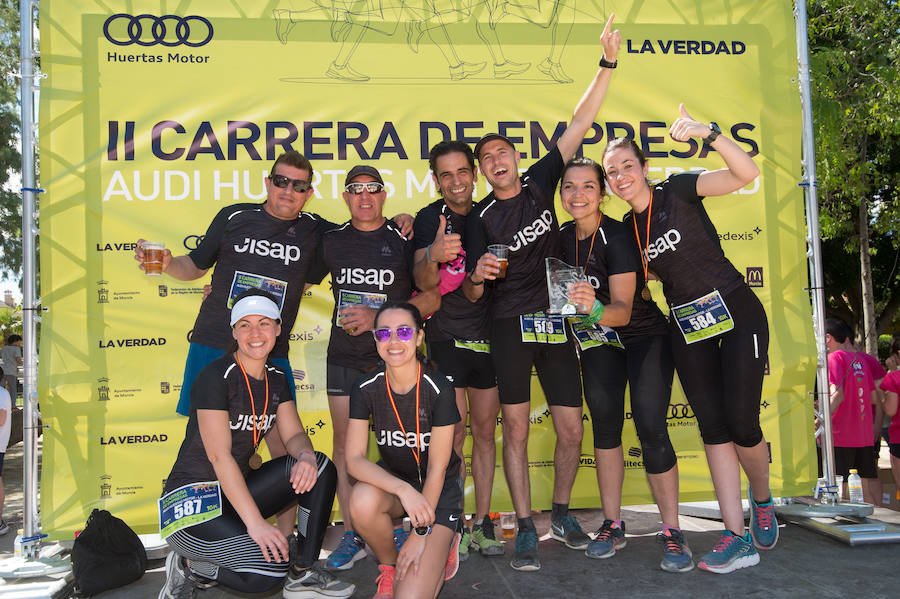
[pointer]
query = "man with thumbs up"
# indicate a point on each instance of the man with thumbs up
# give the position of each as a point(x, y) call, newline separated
point(456, 334)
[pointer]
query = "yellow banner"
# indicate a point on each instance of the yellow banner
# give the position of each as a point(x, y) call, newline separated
point(150, 122)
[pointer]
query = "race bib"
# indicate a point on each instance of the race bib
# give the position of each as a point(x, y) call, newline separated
point(589, 336)
point(191, 504)
point(357, 298)
point(543, 328)
point(243, 281)
point(480, 346)
point(703, 318)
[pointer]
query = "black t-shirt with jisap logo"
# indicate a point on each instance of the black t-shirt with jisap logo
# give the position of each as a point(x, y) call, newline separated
point(613, 253)
point(221, 386)
point(437, 407)
point(684, 249)
point(458, 318)
point(527, 223)
point(251, 248)
point(368, 268)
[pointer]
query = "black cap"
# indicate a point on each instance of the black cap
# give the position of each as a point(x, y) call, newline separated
point(491, 137)
point(363, 169)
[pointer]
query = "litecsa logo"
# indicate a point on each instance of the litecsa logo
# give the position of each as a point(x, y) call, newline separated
point(148, 30)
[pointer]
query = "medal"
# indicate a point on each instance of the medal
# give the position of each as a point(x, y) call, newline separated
point(255, 461)
point(645, 258)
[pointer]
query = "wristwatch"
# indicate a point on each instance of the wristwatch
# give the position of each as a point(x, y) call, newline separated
point(422, 531)
point(714, 133)
point(606, 64)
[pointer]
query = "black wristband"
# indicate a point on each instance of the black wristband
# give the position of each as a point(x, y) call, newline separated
point(608, 65)
point(481, 282)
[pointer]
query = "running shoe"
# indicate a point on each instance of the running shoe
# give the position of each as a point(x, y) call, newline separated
point(763, 525)
point(452, 558)
point(350, 550)
point(483, 538)
point(676, 553)
point(730, 553)
point(384, 582)
point(178, 584)
point(464, 543)
point(525, 557)
point(607, 541)
point(4, 527)
point(315, 582)
point(400, 537)
point(567, 530)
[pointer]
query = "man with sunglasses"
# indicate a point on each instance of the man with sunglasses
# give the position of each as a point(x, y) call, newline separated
point(457, 333)
point(370, 262)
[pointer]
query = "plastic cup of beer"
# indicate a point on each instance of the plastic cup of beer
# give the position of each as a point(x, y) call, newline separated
point(508, 525)
point(502, 252)
point(153, 257)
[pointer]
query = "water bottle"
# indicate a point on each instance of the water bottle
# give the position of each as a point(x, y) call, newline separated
point(17, 544)
point(854, 483)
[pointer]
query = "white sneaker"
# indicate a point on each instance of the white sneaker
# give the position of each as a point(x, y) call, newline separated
point(315, 582)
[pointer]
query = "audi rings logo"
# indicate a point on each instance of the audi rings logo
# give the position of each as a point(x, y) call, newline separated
point(148, 30)
point(680, 411)
point(192, 242)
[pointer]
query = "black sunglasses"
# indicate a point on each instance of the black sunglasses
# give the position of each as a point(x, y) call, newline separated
point(298, 185)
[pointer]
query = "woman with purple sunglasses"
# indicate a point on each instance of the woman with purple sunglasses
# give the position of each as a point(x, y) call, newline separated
point(413, 412)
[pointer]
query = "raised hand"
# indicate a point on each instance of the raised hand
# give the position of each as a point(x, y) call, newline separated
point(686, 127)
point(610, 40)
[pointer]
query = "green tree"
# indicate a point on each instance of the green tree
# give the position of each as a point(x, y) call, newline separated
point(10, 159)
point(855, 86)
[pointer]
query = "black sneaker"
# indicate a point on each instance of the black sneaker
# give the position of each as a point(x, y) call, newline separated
point(315, 582)
point(567, 530)
point(4, 527)
point(525, 557)
point(178, 583)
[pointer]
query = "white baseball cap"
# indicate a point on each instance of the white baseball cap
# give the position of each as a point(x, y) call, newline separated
point(254, 304)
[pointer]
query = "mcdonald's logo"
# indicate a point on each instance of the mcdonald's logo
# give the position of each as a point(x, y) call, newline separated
point(755, 276)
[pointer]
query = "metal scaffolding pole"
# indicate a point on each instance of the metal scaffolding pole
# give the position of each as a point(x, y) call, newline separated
point(814, 247)
point(31, 527)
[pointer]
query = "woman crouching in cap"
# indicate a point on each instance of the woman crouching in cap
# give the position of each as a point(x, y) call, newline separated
point(219, 493)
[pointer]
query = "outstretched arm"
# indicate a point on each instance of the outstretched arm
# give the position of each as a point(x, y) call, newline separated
point(740, 168)
point(590, 102)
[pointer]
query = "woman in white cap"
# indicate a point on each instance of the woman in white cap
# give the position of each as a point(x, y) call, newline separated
point(219, 493)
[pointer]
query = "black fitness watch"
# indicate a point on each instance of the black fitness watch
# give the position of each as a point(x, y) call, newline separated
point(422, 531)
point(606, 64)
point(714, 133)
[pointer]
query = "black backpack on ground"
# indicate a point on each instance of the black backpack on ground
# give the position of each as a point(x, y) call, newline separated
point(107, 554)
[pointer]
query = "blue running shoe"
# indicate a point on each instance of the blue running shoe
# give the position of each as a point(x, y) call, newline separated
point(676, 553)
point(763, 525)
point(525, 557)
point(607, 540)
point(730, 553)
point(350, 550)
point(400, 537)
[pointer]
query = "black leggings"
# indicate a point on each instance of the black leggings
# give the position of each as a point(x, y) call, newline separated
point(723, 376)
point(646, 364)
point(222, 550)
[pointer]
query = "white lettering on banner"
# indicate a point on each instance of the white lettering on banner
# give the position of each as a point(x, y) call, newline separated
point(414, 187)
point(666, 241)
point(398, 439)
point(245, 422)
point(271, 249)
point(368, 276)
point(218, 184)
point(531, 232)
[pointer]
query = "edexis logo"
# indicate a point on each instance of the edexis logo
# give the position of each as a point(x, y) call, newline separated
point(148, 30)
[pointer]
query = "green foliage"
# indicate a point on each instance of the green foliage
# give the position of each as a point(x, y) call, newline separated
point(855, 81)
point(10, 322)
point(10, 159)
